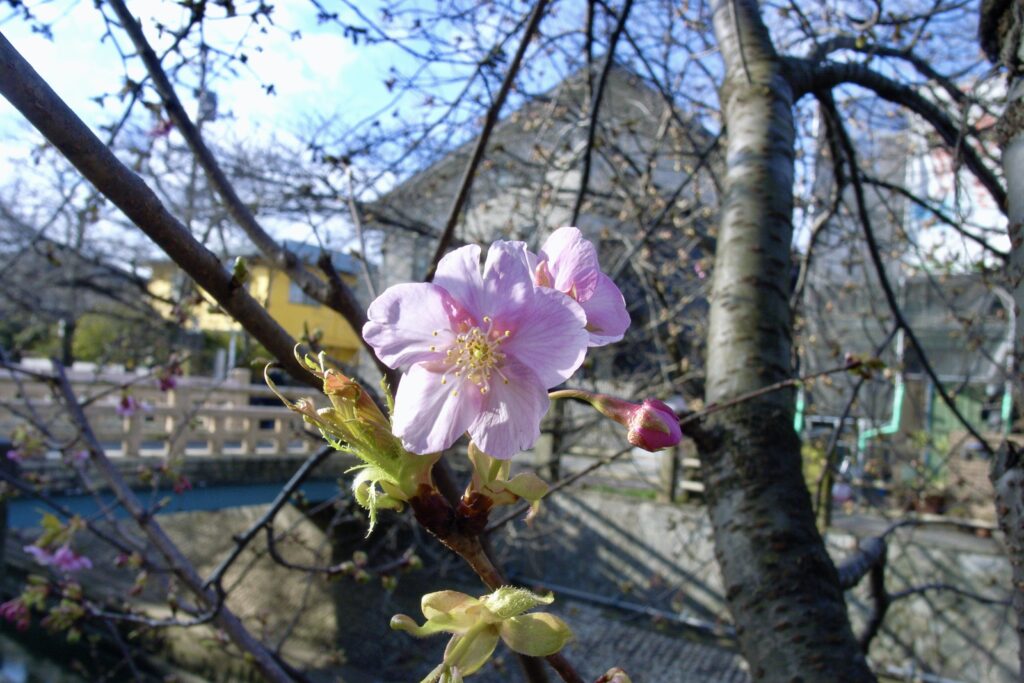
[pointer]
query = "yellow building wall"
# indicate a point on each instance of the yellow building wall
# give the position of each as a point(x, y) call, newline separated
point(272, 289)
point(338, 338)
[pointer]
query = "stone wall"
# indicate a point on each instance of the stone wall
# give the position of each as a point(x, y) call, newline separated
point(588, 545)
point(661, 556)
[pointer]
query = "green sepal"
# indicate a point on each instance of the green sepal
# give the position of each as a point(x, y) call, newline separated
point(490, 479)
point(452, 675)
point(354, 424)
point(364, 488)
point(509, 601)
point(528, 486)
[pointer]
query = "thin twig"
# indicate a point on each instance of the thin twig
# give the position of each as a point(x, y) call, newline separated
point(823, 496)
point(357, 223)
point(883, 279)
point(688, 419)
point(490, 121)
point(927, 587)
point(339, 297)
point(267, 517)
point(595, 107)
point(185, 571)
point(38, 103)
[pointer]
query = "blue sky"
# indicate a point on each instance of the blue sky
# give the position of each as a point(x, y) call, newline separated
point(323, 73)
point(319, 76)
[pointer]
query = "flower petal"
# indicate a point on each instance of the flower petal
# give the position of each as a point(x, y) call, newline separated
point(509, 418)
point(459, 273)
point(430, 416)
point(446, 602)
point(572, 260)
point(607, 317)
point(535, 635)
point(470, 658)
point(546, 334)
point(403, 320)
point(507, 283)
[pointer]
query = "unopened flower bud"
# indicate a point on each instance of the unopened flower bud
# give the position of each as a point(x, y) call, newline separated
point(651, 425)
point(615, 675)
point(352, 401)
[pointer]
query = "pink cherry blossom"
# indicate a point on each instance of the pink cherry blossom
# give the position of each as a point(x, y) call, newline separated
point(129, 405)
point(568, 263)
point(40, 555)
point(64, 558)
point(481, 351)
point(68, 560)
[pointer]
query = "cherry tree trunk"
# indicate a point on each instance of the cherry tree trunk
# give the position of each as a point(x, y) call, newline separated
point(1002, 37)
point(781, 586)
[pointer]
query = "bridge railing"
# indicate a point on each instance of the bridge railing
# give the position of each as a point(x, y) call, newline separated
point(198, 416)
point(202, 416)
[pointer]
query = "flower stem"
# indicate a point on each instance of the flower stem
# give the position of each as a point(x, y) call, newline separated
point(436, 515)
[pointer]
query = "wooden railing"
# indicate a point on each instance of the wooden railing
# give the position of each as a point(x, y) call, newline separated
point(230, 417)
point(199, 416)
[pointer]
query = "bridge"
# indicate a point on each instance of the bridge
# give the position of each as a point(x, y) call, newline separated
point(232, 441)
point(198, 416)
point(615, 561)
point(200, 420)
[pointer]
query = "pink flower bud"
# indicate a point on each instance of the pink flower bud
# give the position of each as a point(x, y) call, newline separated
point(128, 406)
point(652, 425)
point(16, 612)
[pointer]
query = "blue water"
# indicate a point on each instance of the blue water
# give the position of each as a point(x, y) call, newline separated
point(25, 513)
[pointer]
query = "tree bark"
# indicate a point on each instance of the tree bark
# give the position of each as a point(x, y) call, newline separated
point(1002, 38)
point(781, 586)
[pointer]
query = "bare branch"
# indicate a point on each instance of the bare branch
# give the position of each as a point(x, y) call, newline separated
point(481, 143)
point(37, 102)
point(595, 108)
point(337, 295)
point(807, 77)
point(163, 544)
point(883, 278)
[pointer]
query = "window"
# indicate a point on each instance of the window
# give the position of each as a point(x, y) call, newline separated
point(297, 296)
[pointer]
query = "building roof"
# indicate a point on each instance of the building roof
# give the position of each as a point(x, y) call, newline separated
point(308, 254)
point(625, 89)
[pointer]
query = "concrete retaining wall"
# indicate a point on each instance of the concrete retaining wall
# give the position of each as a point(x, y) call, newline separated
point(662, 556)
